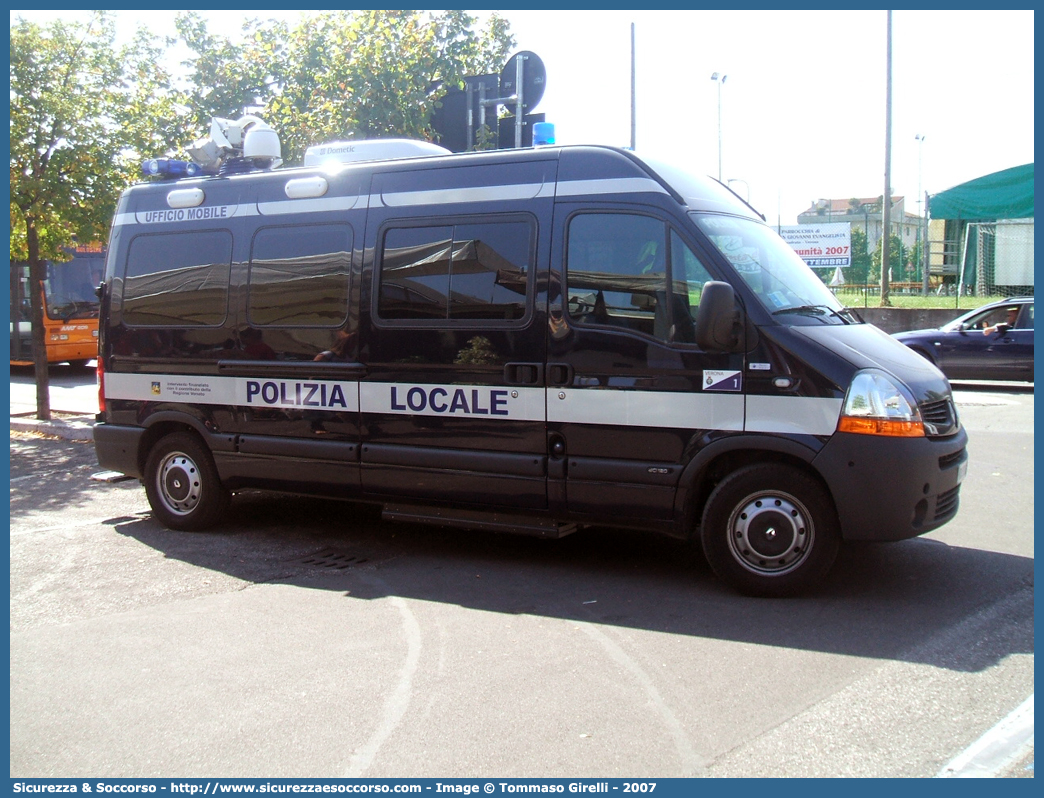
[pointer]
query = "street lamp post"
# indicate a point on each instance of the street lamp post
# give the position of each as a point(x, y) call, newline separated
point(746, 186)
point(922, 239)
point(721, 80)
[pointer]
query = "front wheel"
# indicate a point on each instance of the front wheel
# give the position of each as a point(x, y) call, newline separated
point(182, 483)
point(770, 530)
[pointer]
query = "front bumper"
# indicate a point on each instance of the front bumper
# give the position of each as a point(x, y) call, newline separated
point(893, 488)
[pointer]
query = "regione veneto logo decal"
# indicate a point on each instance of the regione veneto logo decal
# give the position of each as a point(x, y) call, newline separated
point(722, 380)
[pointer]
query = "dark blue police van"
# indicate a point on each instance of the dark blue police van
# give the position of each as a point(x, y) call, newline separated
point(525, 341)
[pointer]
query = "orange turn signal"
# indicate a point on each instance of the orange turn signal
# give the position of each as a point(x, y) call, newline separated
point(879, 426)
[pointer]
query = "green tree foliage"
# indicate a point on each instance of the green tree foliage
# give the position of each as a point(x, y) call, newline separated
point(896, 259)
point(859, 271)
point(338, 74)
point(83, 111)
point(226, 78)
point(913, 267)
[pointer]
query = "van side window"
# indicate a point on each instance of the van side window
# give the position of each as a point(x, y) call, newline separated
point(299, 276)
point(620, 272)
point(688, 276)
point(616, 270)
point(177, 279)
point(459, 272)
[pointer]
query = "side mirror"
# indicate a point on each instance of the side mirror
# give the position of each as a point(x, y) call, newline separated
point(717, 323)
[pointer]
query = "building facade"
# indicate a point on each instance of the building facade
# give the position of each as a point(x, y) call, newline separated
point(865, 214)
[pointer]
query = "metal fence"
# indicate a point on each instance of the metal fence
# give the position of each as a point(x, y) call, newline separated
point(998, 259)
point(977, 263)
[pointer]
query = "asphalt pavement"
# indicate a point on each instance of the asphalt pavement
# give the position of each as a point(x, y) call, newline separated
point(1006, 750)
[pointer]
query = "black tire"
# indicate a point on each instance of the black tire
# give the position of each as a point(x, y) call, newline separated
point(183, 485)
point(770, 530)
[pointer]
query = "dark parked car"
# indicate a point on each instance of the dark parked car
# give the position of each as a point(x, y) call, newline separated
point(994, 342)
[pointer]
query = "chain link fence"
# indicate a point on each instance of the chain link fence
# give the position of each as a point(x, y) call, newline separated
point(998, 259)
point(971, 263)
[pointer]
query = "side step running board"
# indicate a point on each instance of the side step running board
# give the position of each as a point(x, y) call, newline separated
point(477, 519)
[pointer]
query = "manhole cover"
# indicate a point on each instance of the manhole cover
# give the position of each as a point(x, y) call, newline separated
point(330, 559)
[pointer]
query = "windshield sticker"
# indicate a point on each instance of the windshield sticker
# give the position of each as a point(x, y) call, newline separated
point(777, 299)
point(722, 380)
point(743, 258)
point(718, 223)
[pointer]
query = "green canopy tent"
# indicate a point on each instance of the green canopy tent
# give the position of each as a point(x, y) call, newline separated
point(1004, 195)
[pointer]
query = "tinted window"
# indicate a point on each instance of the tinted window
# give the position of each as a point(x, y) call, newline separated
point(299, 276)
point(617, 270)
point(688, 275)
point(177, 279)
point(467, 271)
point(620, 272)
point(415, 268)
point(1026, 319)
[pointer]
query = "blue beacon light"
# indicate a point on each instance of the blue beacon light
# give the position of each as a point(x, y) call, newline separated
point(170, 168)
point(543, 133)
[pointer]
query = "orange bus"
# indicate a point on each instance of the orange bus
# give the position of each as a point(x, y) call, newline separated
point(70, 309)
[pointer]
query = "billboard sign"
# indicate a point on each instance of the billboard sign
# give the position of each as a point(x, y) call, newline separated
point(821, 245)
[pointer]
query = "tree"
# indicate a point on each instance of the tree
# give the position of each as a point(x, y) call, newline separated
point(80, 109)
point(896, 257)
point(339, 74)
point(225, 78)
point(858, 273)
point(914, 266)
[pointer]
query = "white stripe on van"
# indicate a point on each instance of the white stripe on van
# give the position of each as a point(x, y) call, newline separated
point(645, 408)
point(803, 415)
point(451, 196)
point(318, 205)
point(262, 392)
point(476, 401)
point(203, 214)
point(614, 185)
point(446, 196)
point(588, 406)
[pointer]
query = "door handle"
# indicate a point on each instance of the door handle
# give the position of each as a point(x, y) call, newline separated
point(524, 373)
point(559, 374)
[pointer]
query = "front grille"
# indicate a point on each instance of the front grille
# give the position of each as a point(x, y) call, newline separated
point(940, 418)
point(946, 504)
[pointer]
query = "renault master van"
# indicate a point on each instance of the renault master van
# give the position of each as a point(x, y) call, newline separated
point(526, 341)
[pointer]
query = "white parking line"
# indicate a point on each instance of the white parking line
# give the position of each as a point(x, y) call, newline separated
point(979, 398)
point(1005, 743)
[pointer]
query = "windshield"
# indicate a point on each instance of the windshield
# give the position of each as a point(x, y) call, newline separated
point(781, 281)
point(70, 288)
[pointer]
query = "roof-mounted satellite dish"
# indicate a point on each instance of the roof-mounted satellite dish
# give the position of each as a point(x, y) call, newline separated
point(534, 78)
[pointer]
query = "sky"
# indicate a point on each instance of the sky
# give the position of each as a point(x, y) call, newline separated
point(803, 105)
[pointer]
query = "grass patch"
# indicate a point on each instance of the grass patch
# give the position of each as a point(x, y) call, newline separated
point(872, 299)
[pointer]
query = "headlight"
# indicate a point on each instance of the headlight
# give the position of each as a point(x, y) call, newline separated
point(876, 405)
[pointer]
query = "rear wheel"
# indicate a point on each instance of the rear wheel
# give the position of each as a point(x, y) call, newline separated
point(182, 483)
point(770, 530)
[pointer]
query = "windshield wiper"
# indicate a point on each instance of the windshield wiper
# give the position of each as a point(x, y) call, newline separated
point(814, 310)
